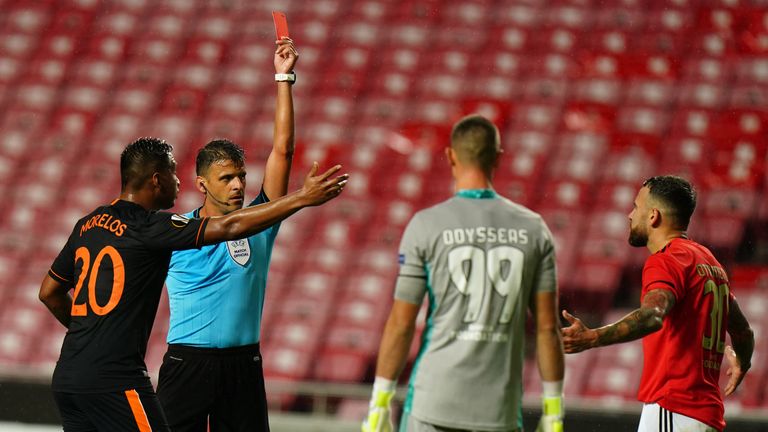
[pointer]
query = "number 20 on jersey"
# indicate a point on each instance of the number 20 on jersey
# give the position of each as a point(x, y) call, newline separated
point(89, 274)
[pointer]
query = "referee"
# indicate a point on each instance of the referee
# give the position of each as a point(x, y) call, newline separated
point(212, 372)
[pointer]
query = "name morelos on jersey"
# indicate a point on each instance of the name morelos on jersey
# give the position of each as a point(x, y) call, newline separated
point(106, 221)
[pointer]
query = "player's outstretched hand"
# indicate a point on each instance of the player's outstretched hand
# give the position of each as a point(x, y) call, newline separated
point(577, 337)
point(286, 55)
point(319, 189)
point(735, 374)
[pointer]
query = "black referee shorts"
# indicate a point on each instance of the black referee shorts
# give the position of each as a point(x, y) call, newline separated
point(223, 386)
point(128, 411)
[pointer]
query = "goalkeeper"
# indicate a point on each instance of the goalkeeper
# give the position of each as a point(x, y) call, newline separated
point(481, 261)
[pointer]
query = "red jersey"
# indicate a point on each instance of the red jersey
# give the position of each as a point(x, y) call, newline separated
point(682, 360)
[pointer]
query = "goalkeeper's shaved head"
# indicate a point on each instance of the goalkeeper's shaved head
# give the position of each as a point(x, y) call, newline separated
point(475, 140)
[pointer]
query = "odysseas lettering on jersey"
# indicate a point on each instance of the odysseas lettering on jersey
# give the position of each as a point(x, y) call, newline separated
point(484, 234)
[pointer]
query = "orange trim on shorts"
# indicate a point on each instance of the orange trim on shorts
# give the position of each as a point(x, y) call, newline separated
point(58, 275)
point(115, 201)
point(138, 411)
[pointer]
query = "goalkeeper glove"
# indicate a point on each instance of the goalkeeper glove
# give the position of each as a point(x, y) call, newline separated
point(378, 419)
point(551, 408)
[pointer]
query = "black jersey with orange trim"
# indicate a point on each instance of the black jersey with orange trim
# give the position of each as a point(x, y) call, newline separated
point(116, 260)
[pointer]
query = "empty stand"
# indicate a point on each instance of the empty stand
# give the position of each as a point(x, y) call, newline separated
point(591, 98)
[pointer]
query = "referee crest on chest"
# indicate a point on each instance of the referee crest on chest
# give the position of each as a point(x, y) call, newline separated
point(239, 251)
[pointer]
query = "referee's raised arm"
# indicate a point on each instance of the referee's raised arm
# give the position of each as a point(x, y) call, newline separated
point(280, 159)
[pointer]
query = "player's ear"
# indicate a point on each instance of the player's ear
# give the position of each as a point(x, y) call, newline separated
point(451, 155)
point(496, 160)
point(156, 179)
point(655, 217)
point(200, 184)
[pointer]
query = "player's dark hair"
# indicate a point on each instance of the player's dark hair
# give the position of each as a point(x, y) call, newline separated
point(475, 139)
point(677, 194)
point(141, 159)
point(219, 150)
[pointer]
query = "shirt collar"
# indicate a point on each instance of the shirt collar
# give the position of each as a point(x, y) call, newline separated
point(477, 193)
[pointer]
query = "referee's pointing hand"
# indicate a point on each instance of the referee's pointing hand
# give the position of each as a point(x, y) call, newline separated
point(318, 189)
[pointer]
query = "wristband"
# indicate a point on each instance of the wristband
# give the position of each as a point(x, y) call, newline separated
point(286, 77)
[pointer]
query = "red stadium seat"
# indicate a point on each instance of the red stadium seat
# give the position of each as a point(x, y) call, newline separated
point(340, 366)
point(704, 69)
point(701, 95)
point(715, 44)
point(539, 116)
point(588, 117)
point(730, 201)
point(283, 362)
point(182, 99)
point(352, 338)
point(383, 110)
point(496, 61)
point(554, 40)
point(606, 42)
point(568, 15)
point(29, 19)
point(512, 39)
point(654, 66)
point(69, 20)
point(746, 278)
point(218, 24)
point(358, 313)
point(599, 65)
point(195, 75)
point(642, 121)
point(155, 50)
point(613, 382)
point(659, 43)
point(751, 71)
point(302, 336)
point(554, 65)
point(578, 367)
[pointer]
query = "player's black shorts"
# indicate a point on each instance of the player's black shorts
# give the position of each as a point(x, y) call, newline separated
point(130, 411)
point(224, 386)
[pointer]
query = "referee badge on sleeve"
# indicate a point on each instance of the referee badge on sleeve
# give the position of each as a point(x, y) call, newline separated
point(239, 250)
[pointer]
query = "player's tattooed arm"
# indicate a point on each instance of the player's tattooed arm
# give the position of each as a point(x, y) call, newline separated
point(56, 298)
point(645, 320)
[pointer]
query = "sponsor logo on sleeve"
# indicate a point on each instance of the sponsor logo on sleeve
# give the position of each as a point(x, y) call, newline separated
point(179, 221)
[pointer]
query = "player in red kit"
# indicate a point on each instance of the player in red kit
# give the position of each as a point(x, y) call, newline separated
point(686, 309)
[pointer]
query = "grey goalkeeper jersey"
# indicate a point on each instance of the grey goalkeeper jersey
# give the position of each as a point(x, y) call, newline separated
point(478, 257)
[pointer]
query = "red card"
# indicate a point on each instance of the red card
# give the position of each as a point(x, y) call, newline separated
point(281, 25)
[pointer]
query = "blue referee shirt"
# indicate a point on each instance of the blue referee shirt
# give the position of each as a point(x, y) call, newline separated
point(216, 293)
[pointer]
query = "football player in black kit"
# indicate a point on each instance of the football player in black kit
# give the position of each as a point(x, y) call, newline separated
point(116, 260)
